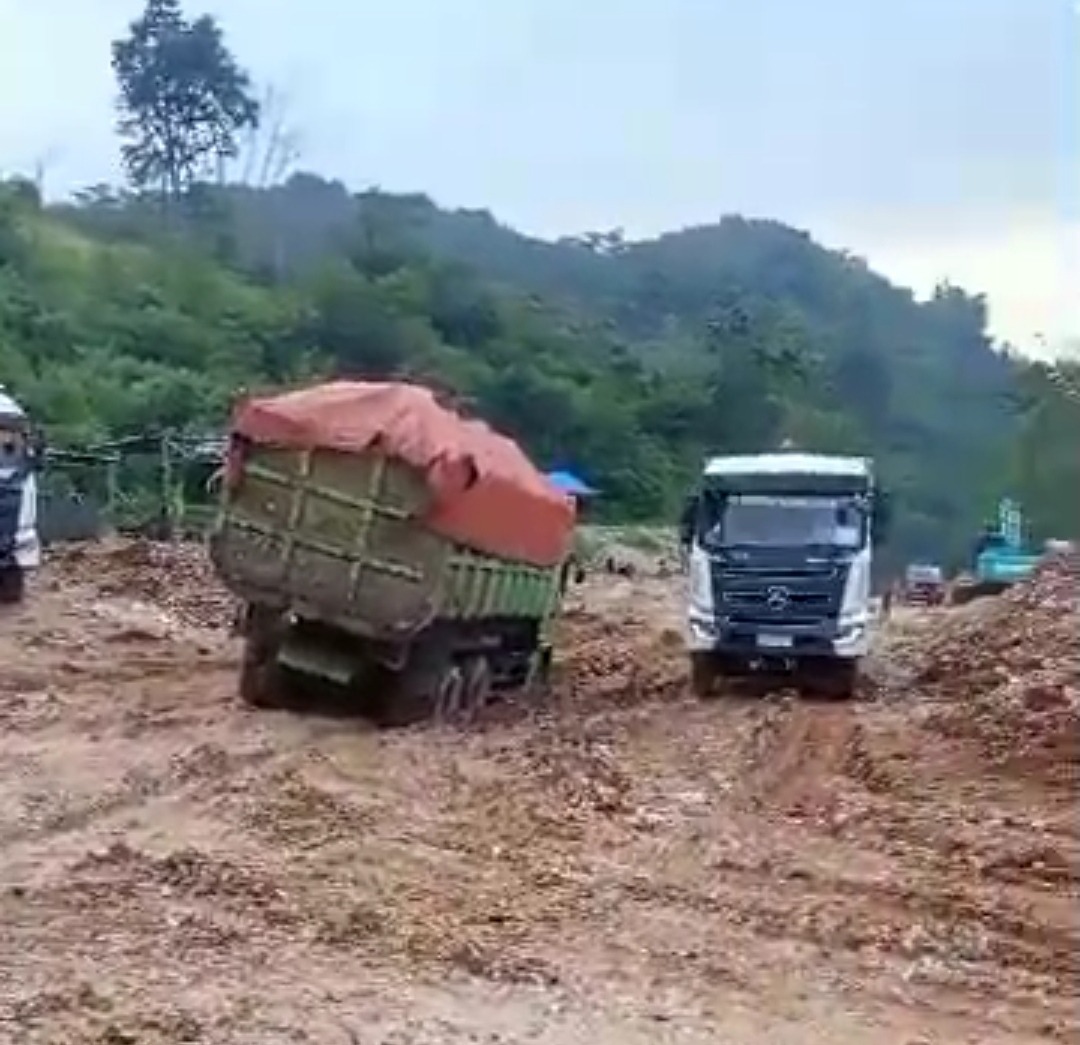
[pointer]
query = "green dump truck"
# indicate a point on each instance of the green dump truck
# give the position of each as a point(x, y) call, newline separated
point(387, 547)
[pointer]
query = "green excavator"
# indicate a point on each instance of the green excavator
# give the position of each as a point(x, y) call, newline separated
point(1002, 557)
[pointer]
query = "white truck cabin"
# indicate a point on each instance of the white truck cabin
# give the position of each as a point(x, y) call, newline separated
point(778, 547)
point(20, 548)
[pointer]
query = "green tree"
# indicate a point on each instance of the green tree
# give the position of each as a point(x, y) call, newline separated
point(1045, 472)
point(183, 99)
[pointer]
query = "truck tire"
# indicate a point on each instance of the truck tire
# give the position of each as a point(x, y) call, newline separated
point(703, 674)
point(12, 585)
point(262, 683)
point(448, 707)
point(425, 688)
point(476, 687)
point(262, 678)
point(538, 678)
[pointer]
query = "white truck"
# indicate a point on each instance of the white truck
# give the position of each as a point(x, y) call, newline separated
point(778, 552)
point(20, 548)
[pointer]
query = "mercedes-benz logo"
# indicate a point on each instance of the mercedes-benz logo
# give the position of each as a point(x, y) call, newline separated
point(777, 598)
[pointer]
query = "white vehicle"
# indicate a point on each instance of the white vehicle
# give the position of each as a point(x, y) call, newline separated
point(20, 548)
point(778, 552)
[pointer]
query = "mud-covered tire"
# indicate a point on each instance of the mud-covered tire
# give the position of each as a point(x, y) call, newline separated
point(262, 679)
point(703, 675)
point(417, 692)
point(261, 683)
point(12, 586)
point(448, 706)
point(477, 686)
point(535, 683)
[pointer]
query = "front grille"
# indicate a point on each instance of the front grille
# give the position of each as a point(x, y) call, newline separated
point(797, 600)
point(772, 575)
point(745, 593)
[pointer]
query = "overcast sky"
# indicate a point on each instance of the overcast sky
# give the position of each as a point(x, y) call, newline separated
point(937, 138)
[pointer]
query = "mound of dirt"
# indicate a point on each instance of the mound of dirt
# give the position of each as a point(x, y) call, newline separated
point(606, 663)
point(1007, 674)
point(176, 577)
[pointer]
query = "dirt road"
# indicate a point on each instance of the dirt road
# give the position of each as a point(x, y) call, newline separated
point(627, 866)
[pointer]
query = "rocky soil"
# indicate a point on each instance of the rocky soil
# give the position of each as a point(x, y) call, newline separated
point(622, 865)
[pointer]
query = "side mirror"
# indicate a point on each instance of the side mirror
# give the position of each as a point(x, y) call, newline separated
point(688, 520)
point(38, 449)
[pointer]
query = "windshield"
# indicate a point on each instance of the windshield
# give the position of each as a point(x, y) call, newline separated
point(786, 522)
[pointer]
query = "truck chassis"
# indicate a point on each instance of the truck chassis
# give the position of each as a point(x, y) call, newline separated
point(822, 677)
point(448, 673)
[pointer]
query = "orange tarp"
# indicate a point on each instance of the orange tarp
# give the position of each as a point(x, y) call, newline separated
point(487, 494)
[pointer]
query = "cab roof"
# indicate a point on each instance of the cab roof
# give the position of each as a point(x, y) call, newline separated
point(788, 463)
point(9, 408)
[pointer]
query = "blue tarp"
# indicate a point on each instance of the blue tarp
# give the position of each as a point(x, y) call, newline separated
point(570, 483)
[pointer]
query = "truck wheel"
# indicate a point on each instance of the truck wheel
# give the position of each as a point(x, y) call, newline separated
point(262, 679)
point(476, 687)
point(12, 585)
point(703, 674)
point(425, 688)
point(537, 677)
point(449, 695)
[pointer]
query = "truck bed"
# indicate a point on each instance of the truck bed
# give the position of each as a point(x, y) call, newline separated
point(338, 537)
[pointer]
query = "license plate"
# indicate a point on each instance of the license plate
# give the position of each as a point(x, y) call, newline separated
point(774, 641)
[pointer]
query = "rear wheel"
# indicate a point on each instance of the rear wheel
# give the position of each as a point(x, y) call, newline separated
point(428, 686)
point(448, 703)
point(534, 675)
point(262, 678)
point(476, 686)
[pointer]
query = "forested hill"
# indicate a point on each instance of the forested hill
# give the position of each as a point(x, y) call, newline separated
point(626, 361)
point(731, 335)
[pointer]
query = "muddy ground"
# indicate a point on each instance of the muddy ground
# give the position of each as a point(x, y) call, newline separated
point(626, 865)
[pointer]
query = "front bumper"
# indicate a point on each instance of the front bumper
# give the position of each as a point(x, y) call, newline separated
point(846, 640)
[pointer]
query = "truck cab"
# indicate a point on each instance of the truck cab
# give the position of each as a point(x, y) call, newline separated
point(1002, 557)
point(924, 584)
point(778, 552)
point(20, 548)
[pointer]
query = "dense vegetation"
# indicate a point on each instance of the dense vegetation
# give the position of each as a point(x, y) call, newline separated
point(153, 306)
